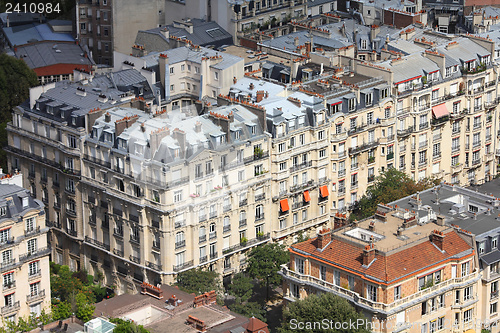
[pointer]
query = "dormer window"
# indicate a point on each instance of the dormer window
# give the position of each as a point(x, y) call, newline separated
point(253, 129)
point(108, 137)
point(176, 152)
point(25, 202)
point(384, 93)
point(237, 135)
point(369, 99)
point(3, 211)
point(94, 133)
point(364, 44)
point(352, 104)
point(301, 121)
point(123, 144)
point(291, 125)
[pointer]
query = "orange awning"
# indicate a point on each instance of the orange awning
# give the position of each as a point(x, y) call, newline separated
point(284, 205)
point(440, 111)
point(307, 196)
point(324, 191)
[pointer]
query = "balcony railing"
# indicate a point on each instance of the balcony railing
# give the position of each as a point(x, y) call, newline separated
point(248, 243)
point(9, 285)
point(11, 308)
point(182, 266)
point(226, 228)
point(34, 254)
point(180, 244)
point(243, 202)
point(301, 166)
point(203, 259)
point(97, 243)
point(119, 253)
point(213, 255)
point(363, 147)
point(212, 235)
point(213, 215)
point(137, 260)
point(260, 197)
point(259, 217)
point(203, 238)
point(243, 222)
point(32, 231)
point(476, 162)
point(154, 266)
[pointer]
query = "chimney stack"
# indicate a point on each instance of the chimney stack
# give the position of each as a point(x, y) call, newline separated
point(197, 127)
point(107, 117)
point(440, 220)
point(324, 238)
point(260, 96)
point(437, 237)
point(368, 254)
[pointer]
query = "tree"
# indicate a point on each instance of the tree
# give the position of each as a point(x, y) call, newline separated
point(264, 262)
point(316, 308)
point(64, 285)
point(241, 287)
point(61, 310)
point(249, 309)
point(198, 281)
point(84, 308)
point(389, 186)
point(125, 326)
point(15, 80)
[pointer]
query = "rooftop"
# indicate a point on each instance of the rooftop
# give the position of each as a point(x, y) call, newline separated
point(34, 32)
point(43, 54)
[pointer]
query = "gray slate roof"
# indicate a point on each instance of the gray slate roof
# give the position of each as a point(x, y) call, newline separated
point(45, 54)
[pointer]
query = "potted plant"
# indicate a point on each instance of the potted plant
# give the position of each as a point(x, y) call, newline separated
point(243, 241)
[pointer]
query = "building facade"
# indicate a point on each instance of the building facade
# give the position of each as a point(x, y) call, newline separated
point(25, 253)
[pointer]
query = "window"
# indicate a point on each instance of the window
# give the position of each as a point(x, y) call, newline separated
point(371, 293)
point(494, 242)
point(8, 279)
point(33, 268)
point(216, 76)
point(322, 272)
point(397, 292)
point(467, 316)
point(481, 247)
point(34, 288)
point(178, 196)
point(493, 308)
point(32, 246)
point(9, 300)
point(467, 293)
point(299, 265)
point(30, 224)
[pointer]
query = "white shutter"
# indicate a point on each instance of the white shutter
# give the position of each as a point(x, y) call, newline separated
point(421, 175)
point(453, 88)
point(322, 173)
point(176, 174)
point(400, 318)
point(226, 242)
point(354, 141)
point(453, 271)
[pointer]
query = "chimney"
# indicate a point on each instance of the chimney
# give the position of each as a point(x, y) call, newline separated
point(260, 96)
point(122, 124)
point(143, 128)
point(296, 41)
point(235, 80)
point(251, 86)
point(197, 127)
point(107, 117)
point(324, 238)
point(222, 121)
point(163, 64)
point(180, 136)
point(368, 254)
point(374, 31)
point(308, 47)
point(165, 33)
point(440, 220)
point(437, 237)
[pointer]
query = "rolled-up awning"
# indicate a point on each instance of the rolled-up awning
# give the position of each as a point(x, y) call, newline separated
point(323, 190)
point(440, 111)
point(307, 196)
point(284, 205)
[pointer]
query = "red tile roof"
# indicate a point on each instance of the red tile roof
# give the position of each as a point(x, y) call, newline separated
point(387, 268)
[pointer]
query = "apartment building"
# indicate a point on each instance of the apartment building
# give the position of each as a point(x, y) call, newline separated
point(238, 17)
point(46, 144)
point(170, 191)
point(405, 271)
point(25, 253)
point(476, 213)
point(300, 167)
point(187, 74)
point(442, 95)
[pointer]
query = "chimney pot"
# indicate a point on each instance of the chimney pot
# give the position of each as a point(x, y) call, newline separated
point(368, 254)
point(324, 237)
point(437, 237)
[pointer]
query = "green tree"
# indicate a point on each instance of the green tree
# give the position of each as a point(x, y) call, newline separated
point(125, 326)
point(64, 285)
point(198, 281)
point(316, 308)
point(389, 186)
point(241, 287)
point(84, 308)
point(264, 262)
point(61, 310)
point(15, 80)
point(249, 309)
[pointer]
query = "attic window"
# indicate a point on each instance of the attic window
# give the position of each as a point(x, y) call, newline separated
point(369, 99)
point(473, 209)
point(25, 202)
point(94, 133)
point(352, 104)
point(253, 129)
point(3, 211)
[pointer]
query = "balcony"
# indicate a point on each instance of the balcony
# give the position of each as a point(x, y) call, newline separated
point(456, 129)
point(301, 166)
point(406, 132)
point(119, 253)
point(423, 126)
point(439, 121)
point(260, 197)
point(154, 266)
point(180, 244)
point(212, 235)
point(488, 137)
point(135, 240)
point(422, 163)
point(35, 275)
point(342, 173)
point(10, 308)
point(341, 190)
point(9, 286)
point(203, 259)
point(363, 147)
point(354, 166)
point(423, 144)
point(32, 231)
point(203, 238)
point(390, 156)
point(476, 162)
point(212, 215)
point(259, 217)
point(213, 255)
point(354, 186)
point(436, 156)
point(72, 232)
point(455, 148)
point(243, 202)
point(137, 260)
point(243, 222)
point(179, 224)
point(202, 218)
point(226, 208)
point(97, 243)
point(183, 266)
point(226, 228)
